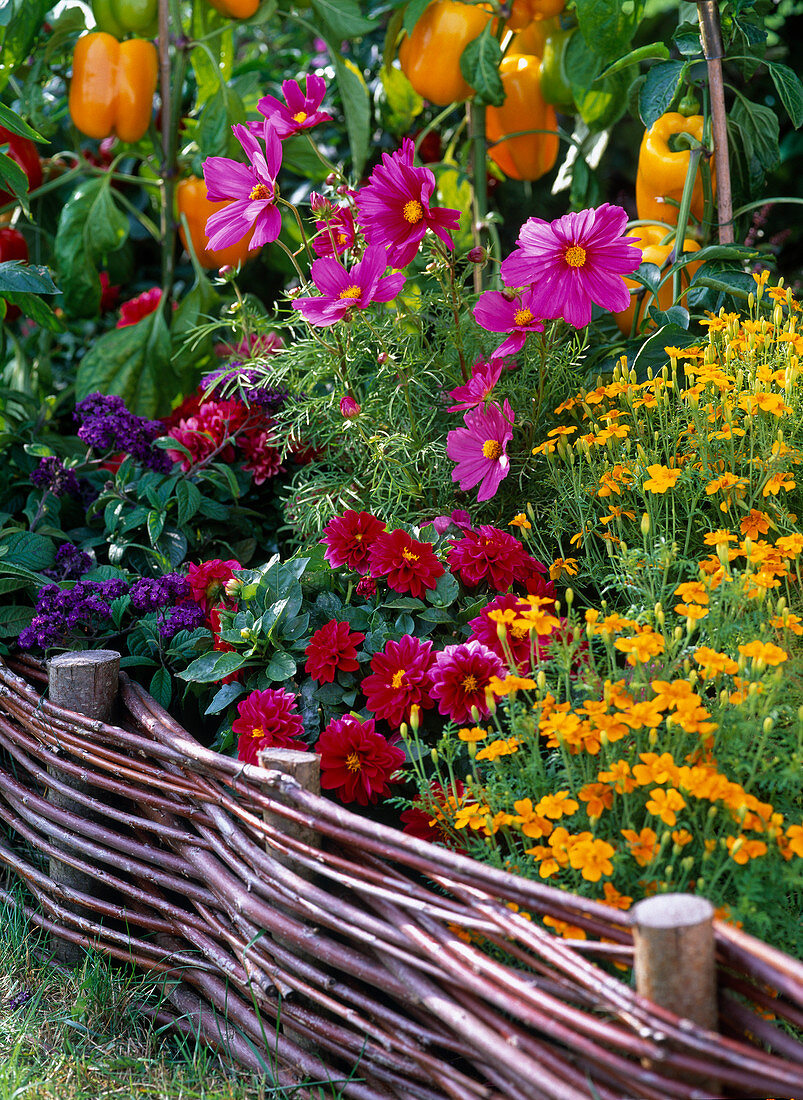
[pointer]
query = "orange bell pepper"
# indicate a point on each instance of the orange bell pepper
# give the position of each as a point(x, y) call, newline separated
point(523, 12)
point(430, 55)
point(112, 86)
point(191, 201)
point(236, 9)
point(662, 173)
point(653, 252)
point(529, 156)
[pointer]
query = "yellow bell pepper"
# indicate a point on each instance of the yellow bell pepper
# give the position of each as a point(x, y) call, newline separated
point(662, 173)
point(653, 252)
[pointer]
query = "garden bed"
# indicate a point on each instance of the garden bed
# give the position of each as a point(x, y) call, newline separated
point(369, 957)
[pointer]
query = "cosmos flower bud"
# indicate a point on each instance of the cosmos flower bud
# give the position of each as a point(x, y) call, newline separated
point(349, 408)
point(477, 255)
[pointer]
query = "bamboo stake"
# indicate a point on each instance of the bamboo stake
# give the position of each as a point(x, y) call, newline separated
point(711, 35)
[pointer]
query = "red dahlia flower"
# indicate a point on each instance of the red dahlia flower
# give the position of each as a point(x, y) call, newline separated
point(208, 581)
point(143, 305)
point(349, 537)
point(489, 555)
point(460, 676)
point(356, 761)
point(485, 630)
point(268, 720)
point(409, 565)
point(399, 677)
point(330, 648)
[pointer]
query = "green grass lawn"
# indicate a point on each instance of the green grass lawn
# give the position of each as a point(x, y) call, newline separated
point(81, 1034)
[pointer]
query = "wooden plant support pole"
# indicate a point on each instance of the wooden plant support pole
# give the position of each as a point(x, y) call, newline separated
point(85, 682)
point(711, 34)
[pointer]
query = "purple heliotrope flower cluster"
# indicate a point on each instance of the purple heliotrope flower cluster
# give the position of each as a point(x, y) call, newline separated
point(171, 597)
point(107, 425)
point(52, 475)
point(252, 387)
point(62, 613)
point(70, 563)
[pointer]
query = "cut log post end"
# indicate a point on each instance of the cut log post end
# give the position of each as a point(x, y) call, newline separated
point(674, 955)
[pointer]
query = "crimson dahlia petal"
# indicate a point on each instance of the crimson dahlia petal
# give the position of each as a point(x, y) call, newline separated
point(487, 555)
point(409, 565)
point(356, 761)
point(348, 539)
point(399, 678)
point(460, 676)
point(208, 580)
point(330, 648)
point(268, 719)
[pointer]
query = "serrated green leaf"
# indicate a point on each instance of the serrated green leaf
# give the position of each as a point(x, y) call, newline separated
point(26, 549)
point(161, 687)
point(188, 499)
point(343, 18)
point(659, 89)
point(14, 619)
point(133, 362)
point(757, 130)
point(479, 64)
point(38, 311)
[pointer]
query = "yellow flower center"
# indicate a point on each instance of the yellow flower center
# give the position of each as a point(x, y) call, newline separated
point(413, 211)
point(522, 317)
point(351, 292)
point(575, 256)
point(408, 555)
point(300, 117)
point(261, 191)
point(353, 762)
point(470, 683)
point(492, 449)
point(398, 678)
point(257, 731)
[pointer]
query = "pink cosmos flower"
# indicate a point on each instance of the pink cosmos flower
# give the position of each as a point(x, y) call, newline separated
point(356, 761)
point(394, 207)
point(409, 565)
point(342, 291)
point(268, 719)
point(476, 391)
point(299, 112)
point(574, 261)
point(459, 678)
point(399, 678)
point(488, 555)
point(348, 539)
point(333, 646)
point(517, 315)
point(252, 187)
point(335, 232)
point(479, 449)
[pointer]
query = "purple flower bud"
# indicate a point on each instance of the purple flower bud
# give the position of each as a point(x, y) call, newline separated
point(477, 255)
point(383, 358)
point(331, 179)
point(349, 408)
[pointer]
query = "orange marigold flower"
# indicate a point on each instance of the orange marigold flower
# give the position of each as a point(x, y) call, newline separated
point(794, 836)
point(755, 523)
point(670, 693)
point(599, 797)
point(567, 931)
point(764, 651)
point(790, 545)
point(592, 858)
point(743, 850)
point(714, 538)
point(666, 804)
point(713, 662)
point(661, 478)
point(472, 734)
point(510, 684)
point(472, 815)
point(531, 822)
point(556, 805)
point(787, 621)
point(782, 480)
point(643, 845)
point(642, 647)
point(691, 611)
point(655, 769)
point(682, 837)
point(647, 713)
point(619, 776)
point(614, 898)
point(563, 565)
point(499, 747)
point(520, 520)
point(692, 592)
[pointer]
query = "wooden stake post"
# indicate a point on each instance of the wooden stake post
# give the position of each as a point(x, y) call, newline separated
point(84, 682)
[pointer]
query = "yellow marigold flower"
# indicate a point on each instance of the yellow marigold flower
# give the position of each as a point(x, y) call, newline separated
point(520, 520)
point(742, 850)
point(764, 651)
point(499, 747)
point(619, 776)
point(531, 822)
point(549, 865)
point(714, 538)
point(693, 719)
point(691, 611)
point(610, 727)
point(592, 858)
point(641, 648)
point(472, 734)
point(655, 769)
point(794, 836)
point(713, 663)
point(790, 545)
point(611, 624)
point(730, 485)
point(682, 837)
point(646, 713)
point(743, 690)
point(669, 694)
point(692, 592)
point(614, 898)
point(598, 796)
point(498, 821)
point(782, 480)
point(661, 478)
point(472, 816)
point(556, 805)
point(643, 845)
point(787, 621)
point(567, 931)
point(755, 523)
point(563, 565)
point(761, 277)
point(510, 684)
point(666, 804)
point(617, 512)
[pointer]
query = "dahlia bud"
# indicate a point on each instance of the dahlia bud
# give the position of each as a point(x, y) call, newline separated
point(366, 587)
point(477, 255)
point(349, 408)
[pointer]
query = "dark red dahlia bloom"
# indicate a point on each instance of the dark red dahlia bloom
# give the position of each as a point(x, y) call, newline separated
point(409, 565)
point(135, 309)
point(487, 555)
point(485, 630)
point(349, 537)
point(400, 677)
point(356, 761)
point(268, 720)
point(262, 458)
point(220, 646)
point(427, 824)
point(366, 587)
point(460, 676)
point(208, 581)
point(330, 648)
point(534, 575)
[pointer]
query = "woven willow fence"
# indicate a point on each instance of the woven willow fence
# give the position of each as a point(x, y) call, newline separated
point(334, 954)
